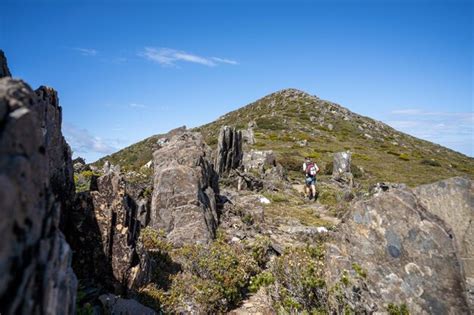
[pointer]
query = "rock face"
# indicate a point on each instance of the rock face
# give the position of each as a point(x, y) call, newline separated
point(105, 237)
point(248, 135)
point(392, 249)
point(35, 260)
point(185, 190)
point(58, 152)
point(452, 200)
point(229, 150)
point(4, 71)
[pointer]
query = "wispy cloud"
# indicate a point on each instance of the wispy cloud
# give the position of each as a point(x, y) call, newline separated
point(452, 129)
point(169, 57)
point(135, 105)
point(86, 51)
point(83, 142)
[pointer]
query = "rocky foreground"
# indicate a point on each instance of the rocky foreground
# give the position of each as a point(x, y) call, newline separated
point(213, 231)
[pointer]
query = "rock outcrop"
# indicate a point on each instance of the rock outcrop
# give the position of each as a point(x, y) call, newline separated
point(452, 200)
point(35, 260)
point(392, 249)
point(259, 160)
point(229, 150)
point(185, 190)
point(105, 236)
point(342, 168)
point(248, 135)
point(58, 152)
point(4, 71)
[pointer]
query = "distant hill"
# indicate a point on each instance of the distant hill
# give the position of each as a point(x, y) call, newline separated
point(295, 124)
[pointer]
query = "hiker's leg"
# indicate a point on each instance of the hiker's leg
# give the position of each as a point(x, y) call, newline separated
point(313, 190)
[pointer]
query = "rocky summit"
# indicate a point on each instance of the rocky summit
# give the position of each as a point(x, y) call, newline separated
point(215, 219)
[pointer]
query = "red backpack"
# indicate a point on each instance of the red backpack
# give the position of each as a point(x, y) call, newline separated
point(311, 169)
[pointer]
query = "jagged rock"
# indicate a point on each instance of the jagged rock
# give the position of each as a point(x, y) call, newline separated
point(58, 152)
point(394, 250)
point(185, 190)
point(105, 236)
point(452, 200)
point(4, 71)
point(35, 260)
point(79, 165)
point(113, 304)
point(229, 150)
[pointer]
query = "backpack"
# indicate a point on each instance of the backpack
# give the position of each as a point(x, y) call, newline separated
point(311, 169)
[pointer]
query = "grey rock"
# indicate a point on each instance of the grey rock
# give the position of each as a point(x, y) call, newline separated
point(34, 256)
point(406, 251)
point(452, 200)
point(185, 189)
point(258, 160)
point(4, 71)
point(248, 135)
point(229, 150)
point(341, 165)
point(105, 235)
point(116, 305)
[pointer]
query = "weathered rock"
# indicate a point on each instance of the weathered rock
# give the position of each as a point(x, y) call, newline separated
point(4, 71)
point(452, 200)
point(229, 150)
point(113, 304)
point(248, 135)
point(79, 165)
point(342, 168)
point(185, 190)
point(258, 160)
point(105, 236)
point(35, 260)
point(393, 250)
point(58, 152)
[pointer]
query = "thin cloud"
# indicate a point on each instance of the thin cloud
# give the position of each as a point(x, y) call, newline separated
point(83, 142)
point(451, 129)
point(135, 105)
point(170, 57)
point(223, 60)
point(86, 51)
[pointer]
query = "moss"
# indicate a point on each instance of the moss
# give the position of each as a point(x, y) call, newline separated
point(328, 197)
point(404, 157)
point(154, 239)
point(394, 309)
point(345, 278)
point(276, 197)
point(359, 270)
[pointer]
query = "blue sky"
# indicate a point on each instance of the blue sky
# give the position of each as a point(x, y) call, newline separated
point(126, 70)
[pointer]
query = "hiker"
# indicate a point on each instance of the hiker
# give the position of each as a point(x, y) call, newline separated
point(310, 170)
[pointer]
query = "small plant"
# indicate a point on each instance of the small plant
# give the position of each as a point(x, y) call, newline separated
point(394, 309)
point(359, 270)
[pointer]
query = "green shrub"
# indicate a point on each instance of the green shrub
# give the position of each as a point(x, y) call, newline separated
point(327, 170)
point(269, 123)
point(291, 162)
point(263, 279)
point(300, 275)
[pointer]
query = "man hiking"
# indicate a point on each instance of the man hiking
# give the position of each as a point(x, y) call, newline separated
point(310, 170)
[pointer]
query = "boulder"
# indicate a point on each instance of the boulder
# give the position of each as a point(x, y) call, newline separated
point(393, 250)
point(113, 304)
point(185, 189)
point(452, 200)
point(342, 168)
point(248, 135)
point(259, 160)
point(229, 150)
point(4, 71)
point(105, 236)
point(35, 260)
